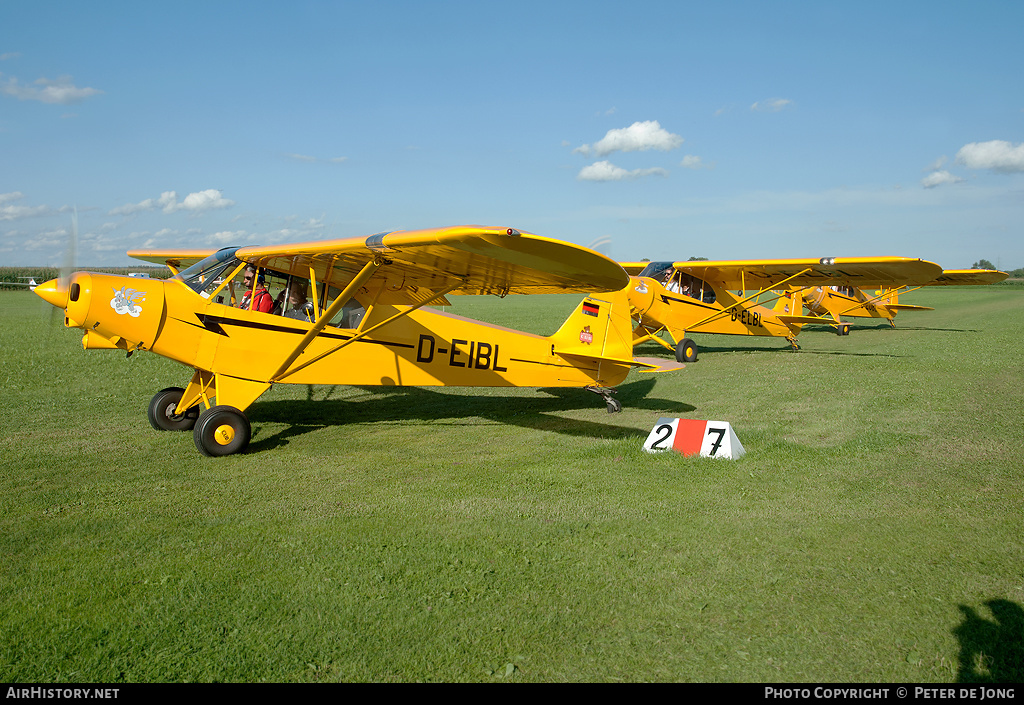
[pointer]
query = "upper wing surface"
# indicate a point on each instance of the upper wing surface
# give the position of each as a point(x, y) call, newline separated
point(474, 259)
point(856, 271)
point(962, 277)
point(633, 268)
point(179, 259)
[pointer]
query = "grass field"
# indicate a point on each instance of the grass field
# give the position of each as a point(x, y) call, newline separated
point(872, 533)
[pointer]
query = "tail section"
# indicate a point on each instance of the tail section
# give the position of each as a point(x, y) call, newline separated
point(791, 303)
point(599, 328)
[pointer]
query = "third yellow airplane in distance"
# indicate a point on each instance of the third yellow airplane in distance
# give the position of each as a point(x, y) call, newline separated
point(680, 298)
point(834, 302)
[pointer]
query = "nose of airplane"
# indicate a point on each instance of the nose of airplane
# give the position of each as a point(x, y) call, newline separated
point(53, 293)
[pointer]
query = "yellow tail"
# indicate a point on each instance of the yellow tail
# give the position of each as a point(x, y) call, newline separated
point(791, 303)
point(600, 327)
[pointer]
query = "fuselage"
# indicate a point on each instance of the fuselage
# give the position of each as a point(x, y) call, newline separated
point(423, 348)
point(716, 310)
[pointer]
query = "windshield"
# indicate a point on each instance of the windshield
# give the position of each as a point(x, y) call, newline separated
point(203, 276)
point(656, 270)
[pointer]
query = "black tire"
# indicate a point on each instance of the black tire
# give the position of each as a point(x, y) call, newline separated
point(686, 351)
point(222, 430)
point(161, 411)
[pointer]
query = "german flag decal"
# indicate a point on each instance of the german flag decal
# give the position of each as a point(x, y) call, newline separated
point(591, 309)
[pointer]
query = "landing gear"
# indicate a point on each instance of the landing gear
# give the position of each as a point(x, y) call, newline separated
point(843, 329)
point(613, 405)
point(222, 430)
point(161, 411)
point(686, 351)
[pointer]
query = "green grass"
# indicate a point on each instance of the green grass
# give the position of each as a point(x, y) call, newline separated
point(872, 533)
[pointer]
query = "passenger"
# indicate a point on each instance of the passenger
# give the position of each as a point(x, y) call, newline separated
point(298, 307)
point(253, 299)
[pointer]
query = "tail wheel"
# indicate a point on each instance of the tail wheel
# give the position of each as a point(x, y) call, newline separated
point(222, 430)
point(686, 351)
point(161, 411)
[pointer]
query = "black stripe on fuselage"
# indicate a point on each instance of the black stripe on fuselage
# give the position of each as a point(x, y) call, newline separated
point(665, 298)
point(216, 324)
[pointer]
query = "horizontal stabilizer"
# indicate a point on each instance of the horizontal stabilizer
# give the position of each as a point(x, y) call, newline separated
point(908, 307)
point(657, 364)
point(805, 320)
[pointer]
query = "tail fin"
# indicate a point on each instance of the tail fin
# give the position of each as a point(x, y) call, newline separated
point(600, 327)
point(791, 303)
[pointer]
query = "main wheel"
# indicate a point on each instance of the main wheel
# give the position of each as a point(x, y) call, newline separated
point(222, 430)
point(686, 351)
point(161, 411)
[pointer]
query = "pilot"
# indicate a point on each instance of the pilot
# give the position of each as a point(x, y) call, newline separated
point(253, 299)
point(298, 307)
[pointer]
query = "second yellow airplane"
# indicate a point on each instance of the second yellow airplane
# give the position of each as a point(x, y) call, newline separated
point(680, 298)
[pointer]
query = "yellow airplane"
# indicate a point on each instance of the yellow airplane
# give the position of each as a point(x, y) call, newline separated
point(837, 301)
point(355, 314)
point(680, 298)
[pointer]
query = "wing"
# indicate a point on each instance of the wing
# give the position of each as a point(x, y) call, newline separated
point(857, 271)
point(633, 268)
point(962, 277)
point(475, 259)
point(176, 259)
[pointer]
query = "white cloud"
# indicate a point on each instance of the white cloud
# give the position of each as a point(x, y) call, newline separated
point(638, 137)
point(998, 155)
point(19, 212)
point(939, 178)
point(207, 200)
point(58, 92)
point(937, 164)
point(227, 236)
point(606, 171)
point(167, 198)
point(210, 199)
point(772, 105)
point(692, 161)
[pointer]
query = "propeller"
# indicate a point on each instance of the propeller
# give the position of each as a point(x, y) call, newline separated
point(55, 291)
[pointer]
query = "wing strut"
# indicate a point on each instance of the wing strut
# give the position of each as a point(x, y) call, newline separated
point(895, 291)
point(364, 275)
point(726, 310)
point(281, 374)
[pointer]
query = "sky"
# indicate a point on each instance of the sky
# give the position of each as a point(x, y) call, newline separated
point(658, 130)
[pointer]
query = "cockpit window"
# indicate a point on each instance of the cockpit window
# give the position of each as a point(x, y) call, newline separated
point(205, 275)
point(656, 270)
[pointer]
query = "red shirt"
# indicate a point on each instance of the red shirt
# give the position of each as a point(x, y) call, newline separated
point(264, 302)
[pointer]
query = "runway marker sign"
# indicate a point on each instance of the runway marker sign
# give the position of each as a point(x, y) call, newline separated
point(709, 439)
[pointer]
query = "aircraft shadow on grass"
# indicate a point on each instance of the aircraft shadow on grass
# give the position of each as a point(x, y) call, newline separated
point(653, 351)
point(397, 404)
point(991, 651)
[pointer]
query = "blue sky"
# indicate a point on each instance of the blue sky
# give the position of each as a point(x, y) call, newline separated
point(661, 129)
